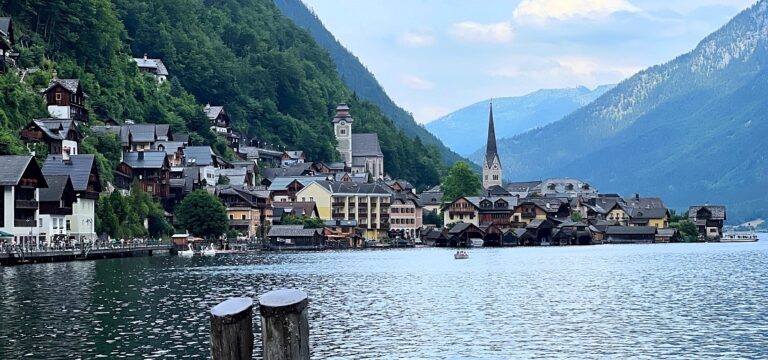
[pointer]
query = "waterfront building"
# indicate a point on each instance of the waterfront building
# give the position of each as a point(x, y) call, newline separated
point(58, 135)
point(630, 234)
point(531, 209)
point(491, 162)
point(65, 99)
point(481, 211)
point(248, 211)
point(361, 152)
point(368, 204)
point(55, 205)
point(295, 237)
point(84, 174)
point(405, 210)
point(150, 168)
point(152, 66)
point(20, 179)
point(709, 220)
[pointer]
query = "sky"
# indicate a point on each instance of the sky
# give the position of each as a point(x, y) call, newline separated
point(436, 56)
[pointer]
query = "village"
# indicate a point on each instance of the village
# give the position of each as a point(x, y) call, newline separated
point(355, 204)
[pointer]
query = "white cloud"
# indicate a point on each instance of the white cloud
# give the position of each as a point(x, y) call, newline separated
point(542, 10)
point(566, 71)
point(473, 32)
point(426, 113)
point(415, 82)
point(418, 38)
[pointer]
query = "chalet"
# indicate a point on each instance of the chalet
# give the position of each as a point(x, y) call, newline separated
point(203, 158)
point(150, 168)
point(55, 205)
point(292, 157)
point(174, 150)
point(221, 125)
point(709, 220)
point(65, 99)
point(58, 135)
point(481, 211)
point(295, 237)
point(84, 174)
point(298, 209)
point(155, 67)
point(138, 137)
point(461, 210)
point(630, 234)
point(7, 41)
point(20, 179)
point(249, 212)
point(531, 209)
point(342, 234)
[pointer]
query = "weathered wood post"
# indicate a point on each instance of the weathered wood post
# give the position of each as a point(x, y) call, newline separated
point(232, 330)
point(284, 325)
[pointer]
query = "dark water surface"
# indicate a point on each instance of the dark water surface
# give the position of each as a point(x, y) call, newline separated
point(640, 301)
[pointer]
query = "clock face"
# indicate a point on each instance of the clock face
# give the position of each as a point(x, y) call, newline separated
point(495, 167)
point(342, 123)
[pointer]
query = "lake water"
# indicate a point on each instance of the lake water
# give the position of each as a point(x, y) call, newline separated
point(641, 301)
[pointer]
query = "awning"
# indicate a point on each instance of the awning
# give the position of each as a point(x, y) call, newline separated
point(4, 234)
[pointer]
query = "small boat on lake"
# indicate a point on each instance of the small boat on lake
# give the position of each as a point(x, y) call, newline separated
point(739, 236)
point(461, 255)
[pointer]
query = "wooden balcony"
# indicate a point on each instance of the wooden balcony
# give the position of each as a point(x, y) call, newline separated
point(27, 204)
point(24, 223)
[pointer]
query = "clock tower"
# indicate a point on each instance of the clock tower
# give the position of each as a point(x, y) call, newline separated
point(491, 163)
point(342, 128)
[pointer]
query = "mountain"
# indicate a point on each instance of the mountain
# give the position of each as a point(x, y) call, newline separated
point(513, 115)
point(692, 130)
point(275, 82)
point(358, 78)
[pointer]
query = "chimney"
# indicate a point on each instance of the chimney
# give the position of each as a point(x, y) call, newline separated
point(145, 56)
point(65, 155)
point(54, 75)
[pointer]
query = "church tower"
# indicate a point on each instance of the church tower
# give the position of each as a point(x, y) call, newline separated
point(342, 128)
point(491, 163)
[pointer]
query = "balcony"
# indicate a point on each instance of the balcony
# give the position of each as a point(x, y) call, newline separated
point(245, 222)
point(338, 203)
point(529, 215)
point(26, 204)
point(24, 223)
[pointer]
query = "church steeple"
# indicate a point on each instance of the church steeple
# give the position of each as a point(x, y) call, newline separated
point(491, 163)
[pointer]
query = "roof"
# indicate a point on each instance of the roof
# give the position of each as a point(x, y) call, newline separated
point(156, 64)
point(56, 128)
point(56, 186)
point(150, 160)
point(291, 170)
point(13, 168)
point(181, 138)
point(565, 186)
point(643, 213)
point(522, 186)
point(202, 155)
point(70, 85)
point(236, 176)
point(212, 112)
point(5, 24)
point(496, 190)
point(341, 223)
point(78, 168)
point(295, 154)
point(354, 188)
point(366, 145)
point(510, 200)
point(170, 147)
point(282, 182)
point(461, 227)
point(139, 132)
point(300, 208)
point(665, 232)
point(291, 231)
point(490, 147)
point(630, 230)
point(718, 211)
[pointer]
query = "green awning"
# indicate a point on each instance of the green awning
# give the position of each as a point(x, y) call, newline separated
point(4, 234)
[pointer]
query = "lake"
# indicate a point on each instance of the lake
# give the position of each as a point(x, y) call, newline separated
point(611, 301)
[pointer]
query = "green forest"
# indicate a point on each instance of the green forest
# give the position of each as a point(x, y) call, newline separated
point(275, 82)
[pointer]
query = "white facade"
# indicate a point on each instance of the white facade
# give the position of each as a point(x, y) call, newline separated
point(59, 111)
point(82, 222)
point(71, 145)
point(52, 225)
point(21, 233)
point(343, 131)
point(491, 172)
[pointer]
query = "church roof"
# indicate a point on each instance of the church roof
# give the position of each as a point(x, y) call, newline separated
point(490, 148)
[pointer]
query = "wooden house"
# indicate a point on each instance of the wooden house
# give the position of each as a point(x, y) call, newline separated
point(150, 168)
point(65, 99)
point(58, 135)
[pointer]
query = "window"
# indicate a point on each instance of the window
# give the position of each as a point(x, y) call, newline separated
point(150, 188)
point(713, 230)
point(41, 222)
point(231, 217)
point(58, 96)
point(69, 226)
point(242, 217)
point(343, 131)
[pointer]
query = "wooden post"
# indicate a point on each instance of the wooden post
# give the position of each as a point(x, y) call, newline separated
point(284, 325)
point(232, 330)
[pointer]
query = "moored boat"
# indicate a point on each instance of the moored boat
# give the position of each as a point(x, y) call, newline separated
point(461, 255)
point(739, 236)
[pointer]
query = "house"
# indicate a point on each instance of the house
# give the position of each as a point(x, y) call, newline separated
point(20, 179)
point(522, 189)
point(295, 237)
point(462, 234)
point(431, 199)
point(530, 209)
point(247, 210)
point(183, 180)
point(406, 215)
point(55, 205)
point(292, 157)
point(152, 66)
point(709, 220)
point(297, 209)
point(203, 158)
point(221, 125)
point(150, 168)
point(330, 167)
point(174, 150)
point(285, 188)
point(7, 41)
point(65, 99)
point(361, 152)
point(269, 174)
point(564, 186)
point(83, 172)
point(342, 234)
point(368, 204)
point(138, 137)
point(58, 135)
point(647, 211)
point(461, 210)
point(630, 234)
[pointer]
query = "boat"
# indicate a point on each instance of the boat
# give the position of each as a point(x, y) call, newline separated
point(477, 242)
point(460, 255)
point(187, 253)
point(209, 251)
point(739, 236)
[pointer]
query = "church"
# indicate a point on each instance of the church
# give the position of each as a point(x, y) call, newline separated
point(361, 152)
point(491, 162)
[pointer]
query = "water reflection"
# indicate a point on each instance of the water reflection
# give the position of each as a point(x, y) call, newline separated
point(695, 301)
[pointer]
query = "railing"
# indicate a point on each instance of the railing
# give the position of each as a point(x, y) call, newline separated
point(239, 222)
point(26, 204)
point(30, 247)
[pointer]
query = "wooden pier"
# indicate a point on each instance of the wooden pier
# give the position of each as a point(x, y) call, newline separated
point(17, 255)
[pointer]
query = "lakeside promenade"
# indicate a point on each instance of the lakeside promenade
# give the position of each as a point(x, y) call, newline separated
point(12, 254)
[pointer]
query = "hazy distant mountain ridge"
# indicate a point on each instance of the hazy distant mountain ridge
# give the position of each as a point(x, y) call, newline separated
point(462, 129)
point(691, 130)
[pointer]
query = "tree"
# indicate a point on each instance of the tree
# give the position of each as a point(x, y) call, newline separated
point(433, 218)
point(576, 216)
point(202, 214)
point(461, 181)
point(307, 221)
point(223, 180)
point(687, 230)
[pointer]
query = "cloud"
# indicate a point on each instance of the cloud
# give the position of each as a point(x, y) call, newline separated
point(415, 82)
point(566, 71)
point(426, 113)
point(418, 38)
point(473, 32)
point(542, 10)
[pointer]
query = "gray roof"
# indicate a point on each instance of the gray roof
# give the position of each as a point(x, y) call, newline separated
point(366, 145)
point(202, 155)
point(282, 182)
point(522, 186)
point(212, 112)
point(496, 190)
point(718, 211)
point(510, 200)
point(56, 186)
point(291, 170)
point(341, 223)
point(155, 64)
point(163, 130)
point(354, 188)
point(5, 24)
point(460, 227)
point(295, 154)
point(12, 168)
point(56, 128)
point(151, 160)
point(140, 132)
point(300, 208)
point(170, 147)
point(236, 176)
point(78, 168)
point(431, 198)
point(630, 230)
point(70, 84)
point(646, 213)
point(289, 231)
point(181, 138)
point(665, 232)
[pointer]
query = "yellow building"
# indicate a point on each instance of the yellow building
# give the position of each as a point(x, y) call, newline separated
point(368, 204)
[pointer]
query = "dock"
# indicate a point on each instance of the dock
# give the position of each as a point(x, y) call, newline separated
point(14, 255)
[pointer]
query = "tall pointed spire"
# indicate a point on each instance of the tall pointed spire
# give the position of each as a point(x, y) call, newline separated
point(490, 148)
